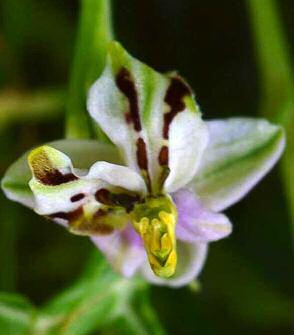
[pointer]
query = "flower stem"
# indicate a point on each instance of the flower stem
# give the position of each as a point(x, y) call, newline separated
point(94, 34)
point(273, 57)
point(277, 80)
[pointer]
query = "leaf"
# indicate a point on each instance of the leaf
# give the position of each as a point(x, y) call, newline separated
point(94, 34)
point(16, 314)
point(277, 74)
point(99, 300)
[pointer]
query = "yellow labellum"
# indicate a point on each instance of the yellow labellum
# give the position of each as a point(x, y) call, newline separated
point(155, 220)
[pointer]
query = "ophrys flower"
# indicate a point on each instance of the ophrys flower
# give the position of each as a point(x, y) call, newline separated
point(159, 192)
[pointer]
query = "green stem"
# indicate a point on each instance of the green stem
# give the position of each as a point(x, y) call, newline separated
point(94, 34)
point(277, 80)
point(273, 57)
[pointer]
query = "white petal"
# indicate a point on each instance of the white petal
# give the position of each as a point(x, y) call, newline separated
point(84, 153)
point(55, 184)
point(152, 118)
point(241, 151)
point(117, 175)
point(188, 140)
point(191, 258)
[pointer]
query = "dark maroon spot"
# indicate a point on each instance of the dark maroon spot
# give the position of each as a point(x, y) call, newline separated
point(125, 200)
point(126, 85)
point(77, 197)
point(163, 156)
point(55, 177)
point(177, 90)
point(128, 118)
point(143, 161)
point(69, 216)
point(142, 154)
point(116, 199)
point(175, 93)
point(103, 196)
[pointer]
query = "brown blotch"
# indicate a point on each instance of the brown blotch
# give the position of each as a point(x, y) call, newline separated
point(128, 118)
point(47, 175)
point(84, 227)
point(142, 154)
point(98, 226)
point(116, 199)
point(103, 196)
point(125, 200)
point(126, 85)
point(163, 156)
point(175, 94)
point(55, 177)
point(77, 197)
point(69, 216)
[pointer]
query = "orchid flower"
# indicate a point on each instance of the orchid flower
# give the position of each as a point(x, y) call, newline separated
point(152, 202)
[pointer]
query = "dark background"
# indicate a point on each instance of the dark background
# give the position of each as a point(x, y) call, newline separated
point(247, 283)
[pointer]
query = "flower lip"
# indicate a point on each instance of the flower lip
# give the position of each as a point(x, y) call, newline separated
point(155, 220)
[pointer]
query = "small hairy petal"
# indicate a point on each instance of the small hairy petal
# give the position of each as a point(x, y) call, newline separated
point(83, 153)
point(95, 203)
point(124, 250)
point(195, 222)
point(54, 182)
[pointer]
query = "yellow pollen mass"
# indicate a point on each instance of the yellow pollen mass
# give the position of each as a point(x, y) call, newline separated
point(155, 220)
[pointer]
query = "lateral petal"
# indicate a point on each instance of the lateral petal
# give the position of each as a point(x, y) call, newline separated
point(195, 222)
point(83, 153)
point(240, 153)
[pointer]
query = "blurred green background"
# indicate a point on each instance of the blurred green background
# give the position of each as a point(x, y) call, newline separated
point(247, 283)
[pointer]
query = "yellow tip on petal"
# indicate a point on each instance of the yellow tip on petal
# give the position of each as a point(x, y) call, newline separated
point(39, 161)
